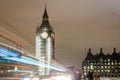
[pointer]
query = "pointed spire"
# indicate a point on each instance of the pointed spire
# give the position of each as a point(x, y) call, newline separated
point(89, 50)
point(45, 15)
point(101, 52)
point(89, 53)
point(45, 22)
point(114, 51)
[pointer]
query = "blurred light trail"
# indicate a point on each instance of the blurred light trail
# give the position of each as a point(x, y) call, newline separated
point(9, 53)
point(27, 60)
point(14, 56)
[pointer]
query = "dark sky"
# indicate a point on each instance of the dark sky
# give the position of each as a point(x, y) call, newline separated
point(78, 24)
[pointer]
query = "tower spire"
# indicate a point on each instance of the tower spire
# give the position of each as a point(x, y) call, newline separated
point(45, 15)
point(89, 52)
point(114, 51)
point(101, 52)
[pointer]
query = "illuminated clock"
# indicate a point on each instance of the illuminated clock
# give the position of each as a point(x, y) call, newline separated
point(44, 35)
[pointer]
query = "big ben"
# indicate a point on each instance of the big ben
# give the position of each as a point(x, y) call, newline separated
point(45, 41)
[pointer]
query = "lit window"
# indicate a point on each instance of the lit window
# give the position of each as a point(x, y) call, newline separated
point(91, 66)
point(108, 60)
point(88, 67)
point(84, 67)
point(112, 66)
point(101, 70)
point(101, 66)
point(112, 63)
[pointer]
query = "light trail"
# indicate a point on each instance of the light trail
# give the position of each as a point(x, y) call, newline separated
point(26, 60)
point(5, 52)
point(24, 71)
point(14, 56)
point(21, 51)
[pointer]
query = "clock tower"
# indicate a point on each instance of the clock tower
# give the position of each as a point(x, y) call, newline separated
point(45, 42)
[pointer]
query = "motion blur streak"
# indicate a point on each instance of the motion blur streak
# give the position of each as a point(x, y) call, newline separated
point(14, 56)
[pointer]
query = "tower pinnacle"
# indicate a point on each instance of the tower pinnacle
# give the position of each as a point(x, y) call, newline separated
point(45, 15)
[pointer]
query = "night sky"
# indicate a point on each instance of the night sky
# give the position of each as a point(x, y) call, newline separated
point(78, 24)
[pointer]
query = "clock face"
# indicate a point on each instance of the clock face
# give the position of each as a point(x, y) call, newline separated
point(44, 35)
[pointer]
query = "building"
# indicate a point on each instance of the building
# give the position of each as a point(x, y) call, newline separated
point(106, 65)
point(45, 41)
